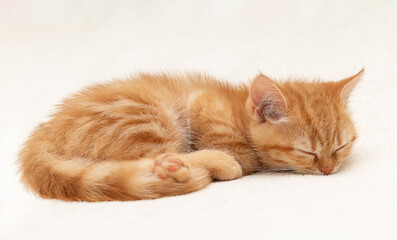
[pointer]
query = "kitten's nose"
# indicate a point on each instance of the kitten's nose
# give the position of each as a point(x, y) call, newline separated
point(327, 171)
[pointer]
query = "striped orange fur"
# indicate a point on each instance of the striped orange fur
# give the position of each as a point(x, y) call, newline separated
point(160, 135)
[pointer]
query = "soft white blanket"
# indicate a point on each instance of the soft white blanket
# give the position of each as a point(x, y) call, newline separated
point(49, 49)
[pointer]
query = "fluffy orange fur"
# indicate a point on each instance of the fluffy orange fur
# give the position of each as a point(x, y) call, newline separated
point(159, 135)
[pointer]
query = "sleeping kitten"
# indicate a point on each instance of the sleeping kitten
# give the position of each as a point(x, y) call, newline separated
point(160, 135)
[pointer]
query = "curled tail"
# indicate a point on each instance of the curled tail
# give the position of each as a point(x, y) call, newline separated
point(79, 179)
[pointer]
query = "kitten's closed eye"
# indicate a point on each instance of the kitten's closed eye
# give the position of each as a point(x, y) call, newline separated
point(307, 153)
point(343, 146)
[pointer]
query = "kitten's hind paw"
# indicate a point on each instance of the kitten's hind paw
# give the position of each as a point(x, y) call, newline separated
point(171, 165)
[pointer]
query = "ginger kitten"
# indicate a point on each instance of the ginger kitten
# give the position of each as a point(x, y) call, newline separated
point(161, 135)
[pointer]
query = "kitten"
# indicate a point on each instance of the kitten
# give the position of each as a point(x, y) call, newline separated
point(160, 135)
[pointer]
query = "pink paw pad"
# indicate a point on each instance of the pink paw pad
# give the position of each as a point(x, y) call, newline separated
point(170, 165)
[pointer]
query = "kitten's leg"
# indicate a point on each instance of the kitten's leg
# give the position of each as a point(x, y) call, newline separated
point(219, 127)
point(219, 164)
point(183, 173)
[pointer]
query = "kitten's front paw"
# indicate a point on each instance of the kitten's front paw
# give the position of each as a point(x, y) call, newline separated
point(171, 165)
point(223, 166)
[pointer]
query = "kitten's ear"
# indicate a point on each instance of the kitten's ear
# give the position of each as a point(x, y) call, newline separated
point(268, 103)
point(346, 86)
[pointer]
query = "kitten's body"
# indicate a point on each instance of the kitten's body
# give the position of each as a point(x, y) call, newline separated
point(160, 135)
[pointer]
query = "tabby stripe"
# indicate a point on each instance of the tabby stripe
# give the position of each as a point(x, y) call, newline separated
point(218, 122)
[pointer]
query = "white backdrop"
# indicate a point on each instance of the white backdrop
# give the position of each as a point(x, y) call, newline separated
point(51, 48)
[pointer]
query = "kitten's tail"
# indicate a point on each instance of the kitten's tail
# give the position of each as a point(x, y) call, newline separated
point(51, 176)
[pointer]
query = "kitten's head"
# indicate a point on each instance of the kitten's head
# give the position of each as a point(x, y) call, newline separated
point(302, 126)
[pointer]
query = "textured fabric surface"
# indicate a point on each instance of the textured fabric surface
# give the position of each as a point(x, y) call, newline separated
point(49, 49)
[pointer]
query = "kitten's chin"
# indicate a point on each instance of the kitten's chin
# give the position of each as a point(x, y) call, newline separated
point(317, 171)
point(309, 172)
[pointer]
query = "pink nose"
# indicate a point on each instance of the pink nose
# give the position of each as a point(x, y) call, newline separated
point(327, 171)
